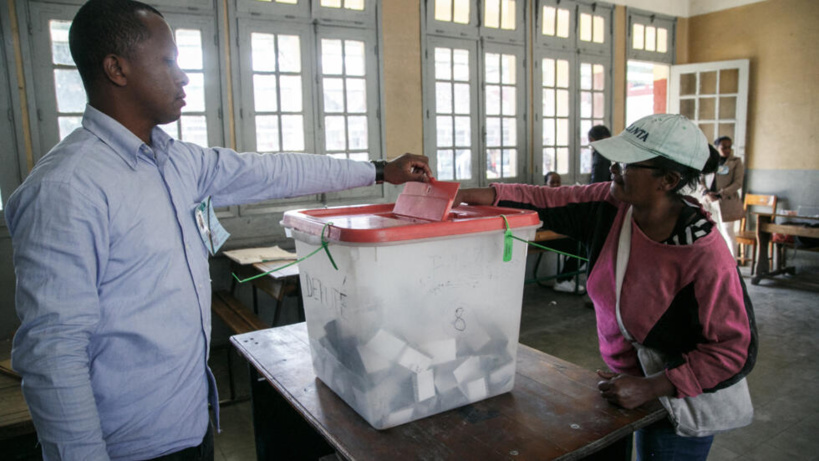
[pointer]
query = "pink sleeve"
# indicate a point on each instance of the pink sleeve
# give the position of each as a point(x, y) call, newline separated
point(551, 197)
point(727, 331)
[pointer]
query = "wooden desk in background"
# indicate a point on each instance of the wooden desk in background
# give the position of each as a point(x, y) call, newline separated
point(277, 284)
point(554, 412)
point(543, 237)
point(765, 226)
point(15, 420)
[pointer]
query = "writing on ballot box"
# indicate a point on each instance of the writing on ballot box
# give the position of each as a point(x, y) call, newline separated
point(420, 316)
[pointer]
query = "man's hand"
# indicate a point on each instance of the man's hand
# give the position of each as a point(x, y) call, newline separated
point(632, 391)
point(408, 167)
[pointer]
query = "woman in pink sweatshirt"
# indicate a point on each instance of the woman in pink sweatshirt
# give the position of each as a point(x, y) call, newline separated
point(682, 292)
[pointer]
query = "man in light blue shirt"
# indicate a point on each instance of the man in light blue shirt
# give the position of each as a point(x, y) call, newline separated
point(113, 287)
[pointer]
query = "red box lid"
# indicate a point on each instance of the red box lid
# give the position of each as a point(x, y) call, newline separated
point(378, 223)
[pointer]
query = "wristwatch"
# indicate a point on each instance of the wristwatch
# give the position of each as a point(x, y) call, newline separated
point(379, 170)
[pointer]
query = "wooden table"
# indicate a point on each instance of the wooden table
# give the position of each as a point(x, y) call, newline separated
point(543, 236)
point(277, 285)
point(765, 226)
point(15, 420)
point(554, 412)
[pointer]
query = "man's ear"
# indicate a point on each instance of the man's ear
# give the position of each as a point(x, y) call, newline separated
point(115, 69)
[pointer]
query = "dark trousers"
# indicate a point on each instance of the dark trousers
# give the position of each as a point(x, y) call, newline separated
point(201, 452)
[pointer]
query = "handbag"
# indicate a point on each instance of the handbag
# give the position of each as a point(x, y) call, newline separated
point(705, 414)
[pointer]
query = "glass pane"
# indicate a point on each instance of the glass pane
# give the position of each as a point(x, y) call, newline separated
point(548, 159)
point(599, 29)
point(549, 103)
point(357, 132)
point(508, 68)
point(585, 126)
point(638, 37)
point(332, 62)
point(562, 103)
point(662, 40)
point(510, 133)
point(463, 132)
point(493, 100)
point(462, 98)
point(585, 161)
point(585, 76)
point(727, 129)
point(289, 53)
point(509, 102)
point(599, 105)
point(492, 66)
point(727, 107)
point(195, 93)
point(360, 157)
point(460, 68)
point(549, 17)
point(267, 133)
point(262, 47)
point(687, 108)
point(443, 10)
point(443, 128)
point(563, 23)
point(585, 104)
point(333, 95)
point(60, 53)
point(688, 84)
point(562, 132)
point(189, 44)
point(493, 131)
point(335, 133)
point(651, 38)
point(562, 73)
point(508, 15)
point(69, 124)
point(708, 82)
point(70, 92)
point(354, 58)
point(729, 81)
point(463, 164)
point(354, 5)
point(599, 79)
point(493, 160)
point(356, 96)
point(194, 129)
point(585, 27)
point(708, 129)
point(548, 72)
point(461, 14)
point(708, 109)
point(562, 160)
point(510, 163)
point(290, 93)
point(445, 165)
point(331, 3)
point(549, 137)
point(491, 15)
point(443, 63)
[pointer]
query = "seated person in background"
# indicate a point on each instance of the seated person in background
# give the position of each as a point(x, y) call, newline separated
point(681, 293)
point(600, 165)
point(565, 284)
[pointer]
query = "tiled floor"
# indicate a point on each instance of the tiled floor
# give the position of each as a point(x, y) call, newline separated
point(783, 384)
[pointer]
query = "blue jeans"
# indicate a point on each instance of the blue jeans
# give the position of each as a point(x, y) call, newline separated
point(659, 442)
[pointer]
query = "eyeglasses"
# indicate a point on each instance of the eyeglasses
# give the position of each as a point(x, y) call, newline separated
point(627, 166)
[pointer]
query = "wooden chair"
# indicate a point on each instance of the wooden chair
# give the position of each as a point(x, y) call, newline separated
point(747, 237)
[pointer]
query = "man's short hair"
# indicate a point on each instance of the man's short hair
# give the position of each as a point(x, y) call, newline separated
point(103, 27)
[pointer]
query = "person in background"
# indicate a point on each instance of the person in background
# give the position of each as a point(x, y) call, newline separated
point(564, 283)
point(600, 165)
point(113, 285)
point(721, 191)
point(682, 292)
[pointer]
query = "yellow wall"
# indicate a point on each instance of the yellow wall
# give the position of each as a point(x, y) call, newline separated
point(402, 77)
point(781, 38)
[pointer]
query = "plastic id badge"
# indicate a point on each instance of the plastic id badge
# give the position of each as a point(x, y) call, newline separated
point(210, 230)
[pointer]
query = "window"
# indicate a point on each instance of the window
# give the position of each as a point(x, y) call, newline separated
point(650, 53)
point(572, 84)
point(475, 85)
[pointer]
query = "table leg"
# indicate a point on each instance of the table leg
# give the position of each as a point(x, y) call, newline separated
point(762, 239)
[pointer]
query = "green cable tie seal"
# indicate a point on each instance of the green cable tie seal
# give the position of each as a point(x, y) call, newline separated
point(323, 246)
point(507, 241)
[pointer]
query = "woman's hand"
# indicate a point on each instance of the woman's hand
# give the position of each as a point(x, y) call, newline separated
point(476, 196)
point(632, 391)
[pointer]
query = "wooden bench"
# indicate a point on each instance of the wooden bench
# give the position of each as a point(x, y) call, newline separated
point(239, 319)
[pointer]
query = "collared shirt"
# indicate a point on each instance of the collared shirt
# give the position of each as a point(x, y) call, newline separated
point(113, 287)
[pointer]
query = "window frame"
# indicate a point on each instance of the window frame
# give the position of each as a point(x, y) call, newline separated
point(646, 18)
point(13, 163)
